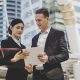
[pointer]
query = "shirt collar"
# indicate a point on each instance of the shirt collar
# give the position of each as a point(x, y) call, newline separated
point(16, 40)
point(47, 30)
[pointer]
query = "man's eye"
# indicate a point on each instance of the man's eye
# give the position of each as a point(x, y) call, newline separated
point(38, 20)
point(18, 27)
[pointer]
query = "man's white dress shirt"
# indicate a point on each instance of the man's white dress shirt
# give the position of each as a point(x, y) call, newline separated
point(41, 43)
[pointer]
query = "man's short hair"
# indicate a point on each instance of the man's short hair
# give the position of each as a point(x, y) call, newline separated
point(43, 11)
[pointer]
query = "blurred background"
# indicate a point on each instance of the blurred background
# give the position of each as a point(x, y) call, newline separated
point(62, 16)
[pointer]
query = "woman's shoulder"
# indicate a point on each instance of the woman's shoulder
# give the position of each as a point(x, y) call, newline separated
point(7, 39)
point(22, 46)
point(5, 42)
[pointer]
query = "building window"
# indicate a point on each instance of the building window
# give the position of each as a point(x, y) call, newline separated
point(1, 22)
point(1, 18)
point(18, 6)
point(11, 10)
point(19, 11)
point(18, 15)
point(11, 18)
point(1, 35)
point(1, 10)
point(1, 27)
point(1, 31)
point(19, 2)
point(9, 5)
point(28, 13)
point(0, 14)
point(33, 1)
point(1, 5)
point(11, 14)
point(10, 1)
point(77, 8)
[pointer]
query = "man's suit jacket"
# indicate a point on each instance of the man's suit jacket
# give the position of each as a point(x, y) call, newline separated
point(56, 49)
point(16, 70)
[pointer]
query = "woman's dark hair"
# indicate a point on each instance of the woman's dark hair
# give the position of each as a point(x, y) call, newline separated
point(13, 23)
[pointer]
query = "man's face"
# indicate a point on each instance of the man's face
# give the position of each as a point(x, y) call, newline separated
point(42, 21)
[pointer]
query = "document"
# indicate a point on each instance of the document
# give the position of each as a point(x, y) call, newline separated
point(33, 56)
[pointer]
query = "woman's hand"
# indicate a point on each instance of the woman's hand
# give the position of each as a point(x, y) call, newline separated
point(29, 68)
point(20, 55)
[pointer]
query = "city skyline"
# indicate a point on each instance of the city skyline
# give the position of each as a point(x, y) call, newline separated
point(9, 9)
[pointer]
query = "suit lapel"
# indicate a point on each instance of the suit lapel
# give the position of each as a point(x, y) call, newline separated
point(47, 40)
point(13, 43)
point(36, 40)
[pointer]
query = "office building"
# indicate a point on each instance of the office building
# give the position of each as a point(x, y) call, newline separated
point(9, 9)
point(28, 9)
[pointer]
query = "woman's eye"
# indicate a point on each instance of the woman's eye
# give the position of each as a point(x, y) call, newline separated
point(22, 28)
point(18, 27)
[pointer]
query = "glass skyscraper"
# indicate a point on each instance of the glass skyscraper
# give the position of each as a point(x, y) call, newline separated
point(56, 18)
point(9, 9)
point(28, 9)
point(77, 10)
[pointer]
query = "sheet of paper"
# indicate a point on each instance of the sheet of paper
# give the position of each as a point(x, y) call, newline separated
point(32, 58)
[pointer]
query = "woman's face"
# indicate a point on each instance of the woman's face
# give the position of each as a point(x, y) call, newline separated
point(17, 30)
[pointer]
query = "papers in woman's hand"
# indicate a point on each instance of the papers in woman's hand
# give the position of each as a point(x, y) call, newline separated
point(33, 56)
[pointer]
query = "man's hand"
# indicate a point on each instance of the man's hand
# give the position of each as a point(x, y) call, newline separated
point(43, 58)
point(29, 68)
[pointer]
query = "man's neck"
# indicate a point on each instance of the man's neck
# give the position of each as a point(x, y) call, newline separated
point(45, 29)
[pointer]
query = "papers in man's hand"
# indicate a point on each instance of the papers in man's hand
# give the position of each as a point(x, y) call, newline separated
point(32, 58)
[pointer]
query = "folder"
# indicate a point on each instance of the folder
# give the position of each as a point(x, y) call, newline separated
point(33, 56)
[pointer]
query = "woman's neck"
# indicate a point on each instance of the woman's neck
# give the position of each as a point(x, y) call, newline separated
point(17, 38)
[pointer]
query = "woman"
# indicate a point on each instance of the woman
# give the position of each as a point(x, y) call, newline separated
point(15, 60)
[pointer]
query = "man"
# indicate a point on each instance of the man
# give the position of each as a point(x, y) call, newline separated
point(54, 44)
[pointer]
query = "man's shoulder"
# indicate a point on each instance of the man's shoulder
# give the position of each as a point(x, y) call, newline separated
point(56, 31)
point(36, 35)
